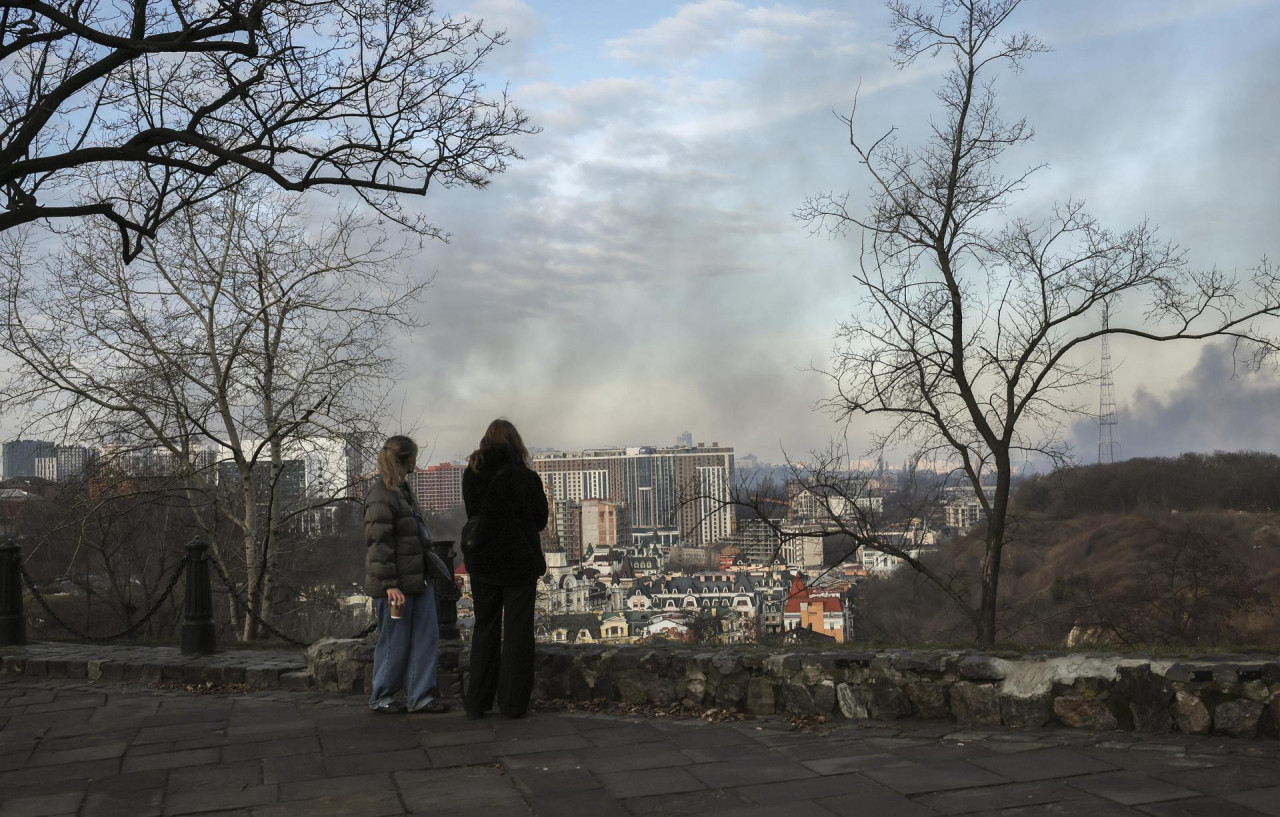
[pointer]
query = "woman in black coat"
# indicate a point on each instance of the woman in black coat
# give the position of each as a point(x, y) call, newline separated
point(499, 487)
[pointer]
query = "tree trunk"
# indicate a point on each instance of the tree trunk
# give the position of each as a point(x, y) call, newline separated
point(996, 529)
point(250, 630)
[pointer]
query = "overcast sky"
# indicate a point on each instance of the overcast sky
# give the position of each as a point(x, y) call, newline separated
point(640, 272)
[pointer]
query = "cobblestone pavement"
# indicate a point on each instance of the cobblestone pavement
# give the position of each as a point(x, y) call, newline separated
point(75, 748)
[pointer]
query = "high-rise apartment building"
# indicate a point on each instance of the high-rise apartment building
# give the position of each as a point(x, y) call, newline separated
point(438, 487)
point(47, 468)
point(120, 459)
point(605, 524)
point(758, 541)
point(564, 528)
point(19, 456)
point(682, 487)
point(74, 461)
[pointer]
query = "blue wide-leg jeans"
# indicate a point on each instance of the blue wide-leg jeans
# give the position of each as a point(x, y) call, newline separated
point(405, 657)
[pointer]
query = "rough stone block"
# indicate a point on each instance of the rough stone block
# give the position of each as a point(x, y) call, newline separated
point(1238, 718)
point(887, 701)
point(981, 668)
point(975, 703)
point(1271, 718)
point(919, 661)
point(1148, 696)
point(1255, 691)
point(728, 662)
point(732, 690)
point(797, 700)
point(853, 702)
point(1026, 712)
point(297, 681)
point(824, 698)
point(1085, 712)
point(1151, 717)
point(695, 690)
point(929, 699)
point(633, 690)
point(350, 675)
point(760, 697)
point(1190, 714)
point(661, 690)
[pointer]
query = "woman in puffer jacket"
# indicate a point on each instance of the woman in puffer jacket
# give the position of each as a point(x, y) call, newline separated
point(395, 574)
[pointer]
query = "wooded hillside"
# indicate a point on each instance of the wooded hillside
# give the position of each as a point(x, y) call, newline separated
point(1158, 552)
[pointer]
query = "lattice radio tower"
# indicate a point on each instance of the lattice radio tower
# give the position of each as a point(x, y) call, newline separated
point(1108, 440)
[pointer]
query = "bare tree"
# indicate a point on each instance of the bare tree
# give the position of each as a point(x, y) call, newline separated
point(973, 337)
point(133, 110)
point(239, 341)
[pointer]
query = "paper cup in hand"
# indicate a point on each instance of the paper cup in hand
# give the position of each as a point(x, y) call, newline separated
point(396, 608)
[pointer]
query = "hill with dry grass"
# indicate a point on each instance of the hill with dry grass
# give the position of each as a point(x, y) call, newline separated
point(1115, 567)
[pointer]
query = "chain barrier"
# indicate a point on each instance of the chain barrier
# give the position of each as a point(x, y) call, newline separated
point(266, 625)
point(164, 596)
point(249, 611)
point(128, 631)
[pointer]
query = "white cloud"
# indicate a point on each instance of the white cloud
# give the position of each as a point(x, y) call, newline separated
point(522, 27)
point(699, 31)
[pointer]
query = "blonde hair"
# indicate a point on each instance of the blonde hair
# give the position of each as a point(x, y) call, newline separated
point(501, 432)
point(396, 459)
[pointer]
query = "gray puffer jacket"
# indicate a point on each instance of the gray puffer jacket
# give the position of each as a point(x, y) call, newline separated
point(394, 549)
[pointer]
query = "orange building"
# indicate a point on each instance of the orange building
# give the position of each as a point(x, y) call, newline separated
point(819, 610)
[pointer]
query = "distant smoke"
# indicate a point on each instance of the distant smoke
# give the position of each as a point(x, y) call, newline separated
point(1216, 406)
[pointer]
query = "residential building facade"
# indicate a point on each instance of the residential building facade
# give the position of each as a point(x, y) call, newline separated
point(438, 487)
point(962, 514)
point(682, 487)
point(19, 457)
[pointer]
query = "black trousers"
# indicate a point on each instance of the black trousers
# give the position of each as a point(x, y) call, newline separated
point(501, 647)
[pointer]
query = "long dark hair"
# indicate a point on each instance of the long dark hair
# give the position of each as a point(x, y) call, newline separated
point(396, 459)
point(500, 434)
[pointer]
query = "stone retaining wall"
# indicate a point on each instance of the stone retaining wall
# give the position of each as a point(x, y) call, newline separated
point(1233, 695)
point(258, 669)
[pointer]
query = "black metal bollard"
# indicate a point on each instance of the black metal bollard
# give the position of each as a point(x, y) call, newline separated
point(13, 622)
point(198, 636)
point(446, 608)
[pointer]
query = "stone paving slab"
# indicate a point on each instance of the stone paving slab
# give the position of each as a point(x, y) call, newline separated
point(70, 747)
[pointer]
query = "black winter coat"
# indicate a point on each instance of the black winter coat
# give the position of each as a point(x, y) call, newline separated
point(394, 555)
point(511, 515)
